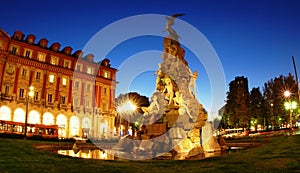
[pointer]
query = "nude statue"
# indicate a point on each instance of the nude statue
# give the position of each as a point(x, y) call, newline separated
point(153, 107)
point(192, 84)
point(169, 89)
point(158, 78)
point(178, 101)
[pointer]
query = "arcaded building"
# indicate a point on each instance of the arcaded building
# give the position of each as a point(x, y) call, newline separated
point(70, 89)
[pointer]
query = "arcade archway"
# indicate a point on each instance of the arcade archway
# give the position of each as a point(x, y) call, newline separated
point(34, 117)
point(19, 115)
point(5, 113)
point(74, 126)
point(48, 119)
point(61, 121)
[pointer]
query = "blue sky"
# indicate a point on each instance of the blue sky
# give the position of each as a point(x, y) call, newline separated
point(253, 38)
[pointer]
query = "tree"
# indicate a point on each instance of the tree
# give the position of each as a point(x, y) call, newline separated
point(256, 107)
point(274, 99)
point(238, 102)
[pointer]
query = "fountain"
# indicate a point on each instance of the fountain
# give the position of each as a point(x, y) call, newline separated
point(174, 125)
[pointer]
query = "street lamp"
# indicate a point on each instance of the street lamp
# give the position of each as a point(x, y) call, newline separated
point(30, 94)
point(290, 105)
point(127, 108)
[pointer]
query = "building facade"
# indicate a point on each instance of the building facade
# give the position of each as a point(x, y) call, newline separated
point(70, 90)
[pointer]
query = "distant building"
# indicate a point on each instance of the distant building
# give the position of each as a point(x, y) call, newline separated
point(71, 91)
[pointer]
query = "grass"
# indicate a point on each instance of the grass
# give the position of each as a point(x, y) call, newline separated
point(279, 154)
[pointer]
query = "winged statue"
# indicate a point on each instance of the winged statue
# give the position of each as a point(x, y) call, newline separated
point(170, 22)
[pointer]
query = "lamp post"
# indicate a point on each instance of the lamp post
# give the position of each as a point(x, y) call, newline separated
point(29, 95)
point(127, 108)
point(290, 105)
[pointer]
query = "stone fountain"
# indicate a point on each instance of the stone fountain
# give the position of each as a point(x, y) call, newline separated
point(175, 125)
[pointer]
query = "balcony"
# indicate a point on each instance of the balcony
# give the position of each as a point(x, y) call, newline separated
point(6, 97)
point(49, 104)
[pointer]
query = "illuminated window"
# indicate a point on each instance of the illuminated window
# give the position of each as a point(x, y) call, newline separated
point(36, 96)
point(105, 91)
point(24, 71)
point(64, 81)
point(41, 57)
point(38, 75)
point(51, 78)
point(6, 92)
point(67, 64)
point(13, 50)
point(106, 74)
point(27, 53)
point(89, 70)
point(1, 45)
point(54, 60)
point(21, 93)
point(49, 98)
point(62, 99)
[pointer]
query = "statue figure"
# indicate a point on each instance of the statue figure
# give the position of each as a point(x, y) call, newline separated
point(170, 22)
point(153, 107)
point(158, 78)
point(169, 89)
point(192, 84)
point(178, 101)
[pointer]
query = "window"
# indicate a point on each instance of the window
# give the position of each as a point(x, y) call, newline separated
point(24, 72)
point(36, 96)
point(105, 74)
point(38, 75)
point(27, 53)
point(62, 99)
point(88, 87)
point(1, 45)
point(10, 69)
point(67, 64)
point(21, 93)
point(76, 102)
point(105, 91)
point(64, 81)
point(6, 92)
point(17, 37)
point(49, 98)
point(78, 67)
point(76, 85)
point(30, 41)
point(51, 78)
point(41, 57)
point(54, 60)
point(87, 103)
point(89, 70)
point(14, 50)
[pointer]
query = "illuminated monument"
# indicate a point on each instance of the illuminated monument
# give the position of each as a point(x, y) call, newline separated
point(174, 125)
